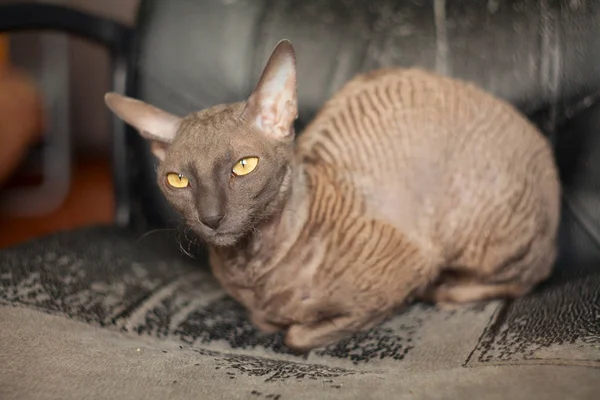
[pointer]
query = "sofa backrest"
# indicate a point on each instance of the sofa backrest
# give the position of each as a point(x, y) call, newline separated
point(541, 56)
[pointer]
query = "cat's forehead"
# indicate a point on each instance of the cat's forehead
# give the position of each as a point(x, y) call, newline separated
point(216, 130)
point(213, 120)
point(214, 124)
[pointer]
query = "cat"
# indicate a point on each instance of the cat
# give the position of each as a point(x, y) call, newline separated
point(406, 185)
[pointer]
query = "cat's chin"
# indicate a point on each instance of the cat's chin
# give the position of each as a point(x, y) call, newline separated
point(215, 238)
point(222, 239)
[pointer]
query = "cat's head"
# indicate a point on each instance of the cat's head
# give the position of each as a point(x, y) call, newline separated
point(227, 168)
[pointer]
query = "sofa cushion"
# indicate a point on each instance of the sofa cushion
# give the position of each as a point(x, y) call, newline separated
point(97, 295)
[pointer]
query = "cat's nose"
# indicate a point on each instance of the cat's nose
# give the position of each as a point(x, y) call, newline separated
point(212, 221)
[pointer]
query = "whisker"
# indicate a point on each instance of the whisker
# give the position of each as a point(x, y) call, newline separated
point(155, 231)
point(184, 251)
point(189, 243)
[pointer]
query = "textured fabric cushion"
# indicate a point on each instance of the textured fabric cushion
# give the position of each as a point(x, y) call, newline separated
point(105, 313)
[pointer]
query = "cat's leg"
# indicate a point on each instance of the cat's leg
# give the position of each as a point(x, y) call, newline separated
point(504, 246)
point(506, 275)
point(447, 295)
point(454, 290)
point(304, 337)
point(247, 299)
point(260, 321)
point(365, 287)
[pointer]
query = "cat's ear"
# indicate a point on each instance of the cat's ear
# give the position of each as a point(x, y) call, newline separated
point(273, 103)
point(154, 124)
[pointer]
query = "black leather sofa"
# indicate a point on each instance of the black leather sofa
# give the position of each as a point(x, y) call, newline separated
point(130, 311)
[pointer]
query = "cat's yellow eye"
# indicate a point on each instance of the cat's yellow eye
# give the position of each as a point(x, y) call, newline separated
point(245, 166)
point(177, 181)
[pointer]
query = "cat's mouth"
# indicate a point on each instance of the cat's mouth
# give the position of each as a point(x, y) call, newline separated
point(227, 234)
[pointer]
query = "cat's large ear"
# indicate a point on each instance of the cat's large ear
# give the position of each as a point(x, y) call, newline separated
point(154, 124)
point(273, 103)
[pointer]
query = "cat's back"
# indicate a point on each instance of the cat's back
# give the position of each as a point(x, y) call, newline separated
point(410, 121)
point(416, 124)
point(410, 105)
point(411, 143)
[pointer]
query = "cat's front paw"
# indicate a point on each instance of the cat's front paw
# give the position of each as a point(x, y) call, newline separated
point(305, 337)
point(299, 338)
point(265, 326)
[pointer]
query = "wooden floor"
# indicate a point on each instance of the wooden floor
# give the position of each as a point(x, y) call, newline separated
point(90, 201)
